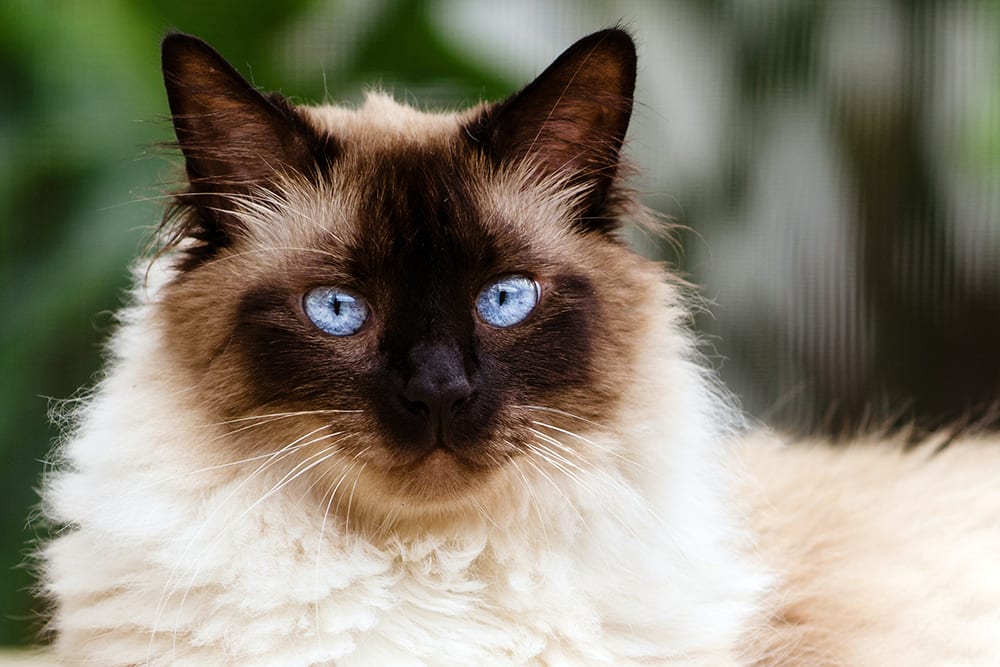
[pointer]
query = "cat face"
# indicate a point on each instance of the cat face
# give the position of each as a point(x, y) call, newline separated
point(409, 300)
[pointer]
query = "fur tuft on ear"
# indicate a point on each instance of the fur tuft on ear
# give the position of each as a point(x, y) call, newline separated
point(570, 121)
point(235, 140)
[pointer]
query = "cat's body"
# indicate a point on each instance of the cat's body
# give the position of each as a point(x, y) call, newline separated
point(885, 555)
point(508, 453)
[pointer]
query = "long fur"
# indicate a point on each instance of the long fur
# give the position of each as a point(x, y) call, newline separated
point(174, 555)
point(887, 555)
point(657, 536)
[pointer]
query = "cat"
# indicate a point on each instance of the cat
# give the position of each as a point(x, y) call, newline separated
point(395, 391)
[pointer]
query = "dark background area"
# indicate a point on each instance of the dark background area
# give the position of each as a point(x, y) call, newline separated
point(835, 165)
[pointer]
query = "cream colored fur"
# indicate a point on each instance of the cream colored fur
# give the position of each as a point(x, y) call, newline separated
point(668, 547)
point(887, 556)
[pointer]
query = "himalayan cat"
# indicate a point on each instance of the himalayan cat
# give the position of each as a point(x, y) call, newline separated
point(395, 391)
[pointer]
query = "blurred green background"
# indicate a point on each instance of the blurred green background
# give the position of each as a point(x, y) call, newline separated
point(837, 163)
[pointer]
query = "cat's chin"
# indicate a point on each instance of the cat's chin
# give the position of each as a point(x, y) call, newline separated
point(440, 474)
point(436, 480)
point(439, 462)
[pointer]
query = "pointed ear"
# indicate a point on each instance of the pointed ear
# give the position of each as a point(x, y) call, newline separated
point(572, 119)
point(233, 137)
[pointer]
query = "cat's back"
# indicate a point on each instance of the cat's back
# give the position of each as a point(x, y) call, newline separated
point(885, 556)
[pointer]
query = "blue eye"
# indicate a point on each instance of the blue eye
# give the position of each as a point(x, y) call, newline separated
point(335, 311)
point(507, 301)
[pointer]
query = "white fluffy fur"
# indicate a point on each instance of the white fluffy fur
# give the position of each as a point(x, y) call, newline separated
point(174, 556)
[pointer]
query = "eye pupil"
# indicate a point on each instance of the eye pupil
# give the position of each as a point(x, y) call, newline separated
point(507, 301)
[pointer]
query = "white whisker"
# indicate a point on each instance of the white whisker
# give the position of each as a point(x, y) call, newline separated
point(282, 415)
point(558, 462)
point(562, 493)
point(595, 445)
point(170, 586)
point(319, 553)
point(350, 499)
point(300, 469)
point(323, 455)
point(582, 478)
point(559, 412)
point(254, 251)
point(533, 501)
point(561, 448)
point(482, 511)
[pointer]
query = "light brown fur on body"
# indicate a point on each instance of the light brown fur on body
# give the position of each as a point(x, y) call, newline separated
point(885, 556)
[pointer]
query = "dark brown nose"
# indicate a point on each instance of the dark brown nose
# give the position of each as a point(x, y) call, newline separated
point(438, 384)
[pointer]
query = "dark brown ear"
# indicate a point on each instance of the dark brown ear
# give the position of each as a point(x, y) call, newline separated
point(572, 119)
point(234, 139)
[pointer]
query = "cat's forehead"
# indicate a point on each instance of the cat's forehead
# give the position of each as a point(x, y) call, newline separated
point(383, 122)
point(406, 181)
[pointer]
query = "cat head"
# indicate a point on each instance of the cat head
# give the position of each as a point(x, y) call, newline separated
point(405, 301)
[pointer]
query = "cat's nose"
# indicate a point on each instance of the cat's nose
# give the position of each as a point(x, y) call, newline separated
point(438, 384)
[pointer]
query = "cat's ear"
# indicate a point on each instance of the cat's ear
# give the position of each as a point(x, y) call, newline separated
point(234, 139)
point(571, 120)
